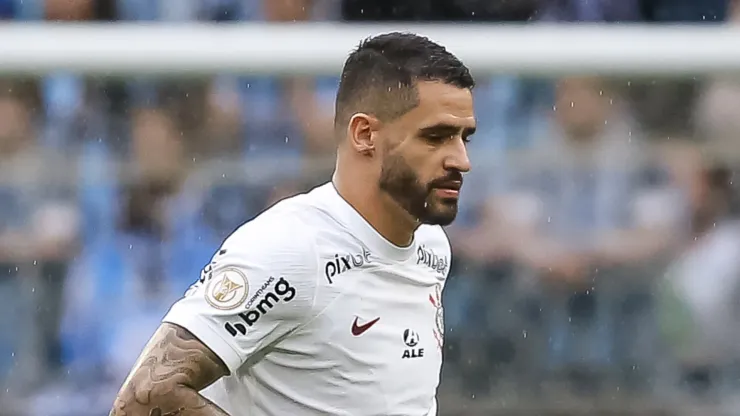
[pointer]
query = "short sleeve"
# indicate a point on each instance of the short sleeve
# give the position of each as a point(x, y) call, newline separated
point(258, 289)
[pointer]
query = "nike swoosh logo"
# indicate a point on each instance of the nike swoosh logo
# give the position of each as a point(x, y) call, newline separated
point(358, 330)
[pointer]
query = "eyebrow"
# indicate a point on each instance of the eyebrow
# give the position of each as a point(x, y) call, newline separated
point(447, 129)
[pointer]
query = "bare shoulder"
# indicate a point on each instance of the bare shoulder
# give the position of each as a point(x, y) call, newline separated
point(166, 379)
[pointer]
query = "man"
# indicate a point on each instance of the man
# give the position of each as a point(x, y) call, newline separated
point(329, 302)
point(39, 235)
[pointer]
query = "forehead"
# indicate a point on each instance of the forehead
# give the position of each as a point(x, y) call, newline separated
point(441, 103)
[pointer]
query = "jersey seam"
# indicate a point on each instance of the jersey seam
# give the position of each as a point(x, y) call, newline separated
point(315, 254)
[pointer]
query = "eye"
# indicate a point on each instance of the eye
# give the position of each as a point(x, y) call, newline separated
point(436, 137)
point(467, 135)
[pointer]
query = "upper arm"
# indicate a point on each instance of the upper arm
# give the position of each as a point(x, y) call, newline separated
point(259, 288)
point(170, 371)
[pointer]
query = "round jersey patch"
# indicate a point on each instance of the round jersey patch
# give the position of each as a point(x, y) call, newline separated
point(227, 289)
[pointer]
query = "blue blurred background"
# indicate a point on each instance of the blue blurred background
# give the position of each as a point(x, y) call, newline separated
point(597, 266)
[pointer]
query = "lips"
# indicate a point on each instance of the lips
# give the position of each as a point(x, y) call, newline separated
point(449, 186)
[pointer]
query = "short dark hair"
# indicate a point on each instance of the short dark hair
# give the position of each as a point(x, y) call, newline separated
point(379, 77)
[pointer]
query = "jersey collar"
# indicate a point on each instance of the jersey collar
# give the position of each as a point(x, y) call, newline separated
point(356, 223)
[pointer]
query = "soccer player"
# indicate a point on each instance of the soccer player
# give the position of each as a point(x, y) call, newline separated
point(329, 303)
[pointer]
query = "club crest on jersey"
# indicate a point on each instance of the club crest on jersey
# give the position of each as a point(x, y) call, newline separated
point(429, 258)
point(436, 300)
point(227, 289)
point(342, 263)
point(411, 339)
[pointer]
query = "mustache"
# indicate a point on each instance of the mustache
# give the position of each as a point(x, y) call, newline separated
point(452, 180)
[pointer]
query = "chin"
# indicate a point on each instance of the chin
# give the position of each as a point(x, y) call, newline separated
point(441, 216)
point(439, 220)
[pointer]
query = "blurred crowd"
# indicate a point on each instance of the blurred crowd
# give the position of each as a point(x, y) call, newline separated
point(597, 247)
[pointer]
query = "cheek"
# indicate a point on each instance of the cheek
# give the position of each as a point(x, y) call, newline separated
point(419, 164)
point(428, 165)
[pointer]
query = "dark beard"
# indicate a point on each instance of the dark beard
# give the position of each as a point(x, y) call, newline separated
point(402, 184)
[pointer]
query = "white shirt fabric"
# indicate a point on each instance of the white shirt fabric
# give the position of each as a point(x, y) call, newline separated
point(703, 285)
point(315, 313)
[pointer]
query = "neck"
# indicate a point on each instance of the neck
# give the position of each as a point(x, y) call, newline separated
point(379, 210)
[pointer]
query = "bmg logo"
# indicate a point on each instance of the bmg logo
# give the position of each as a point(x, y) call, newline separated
point(282, 291)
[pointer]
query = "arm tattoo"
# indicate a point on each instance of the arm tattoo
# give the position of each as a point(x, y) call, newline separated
point(168, 375)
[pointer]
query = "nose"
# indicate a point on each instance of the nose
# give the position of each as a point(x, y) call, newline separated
point(458, 157)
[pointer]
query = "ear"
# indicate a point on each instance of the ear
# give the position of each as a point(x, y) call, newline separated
point(362, 128)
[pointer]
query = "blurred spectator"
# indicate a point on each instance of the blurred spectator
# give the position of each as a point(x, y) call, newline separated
point(38, 235)
point(117, 292)
point(122, 284)
point(699, 293)
point(170, 221)
point(590, 202)
point(580, 195)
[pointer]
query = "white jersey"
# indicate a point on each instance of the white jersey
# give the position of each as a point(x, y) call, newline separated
point(315, 313)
